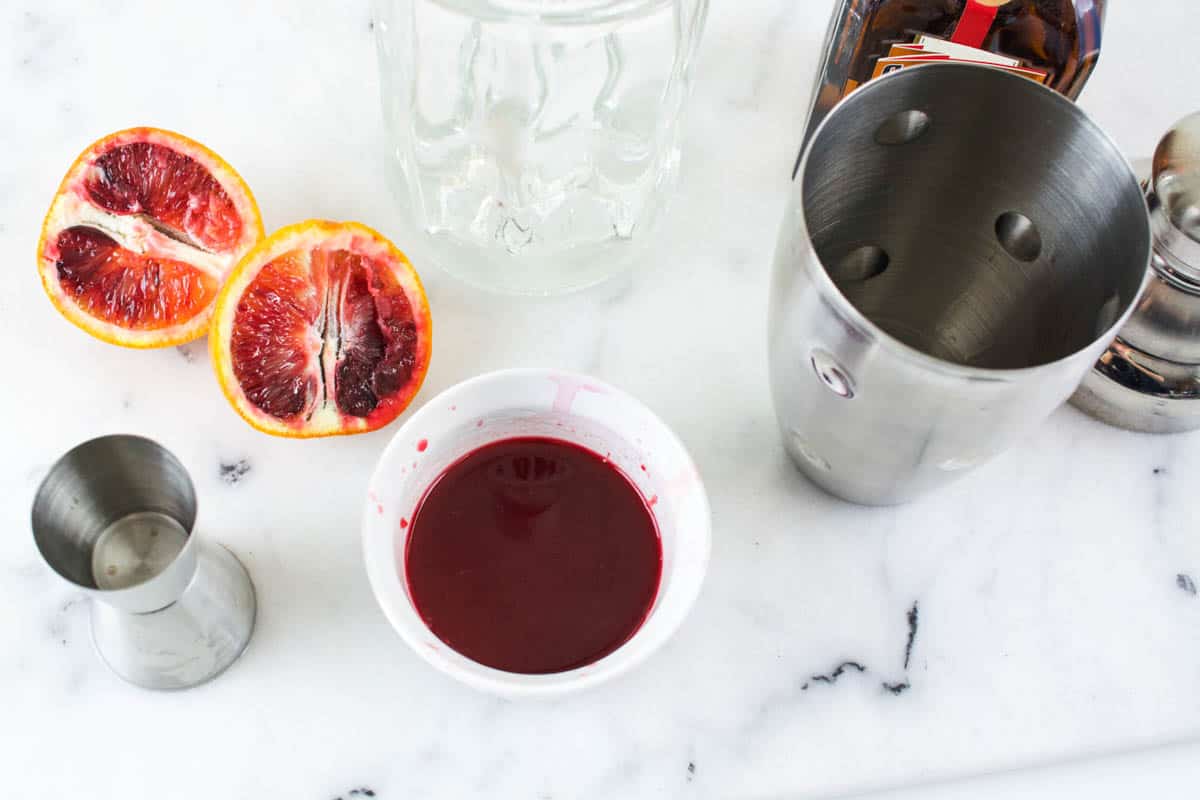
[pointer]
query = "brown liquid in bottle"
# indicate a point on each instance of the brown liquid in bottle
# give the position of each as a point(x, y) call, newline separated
point(1061, 37)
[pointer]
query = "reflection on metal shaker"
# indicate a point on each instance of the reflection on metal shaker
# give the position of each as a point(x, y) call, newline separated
point(960, 246)
point(1149, 379)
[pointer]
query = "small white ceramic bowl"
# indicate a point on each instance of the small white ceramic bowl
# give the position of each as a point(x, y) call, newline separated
point(538, 402)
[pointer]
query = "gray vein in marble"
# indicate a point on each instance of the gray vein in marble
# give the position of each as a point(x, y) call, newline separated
point(232, 472)
point(361, 791)
point(1166, 457)
point(832, 677)
point(1159, 490)
point(895, 688)
point(778, 700)
point(1186, 583)
point(913, 620)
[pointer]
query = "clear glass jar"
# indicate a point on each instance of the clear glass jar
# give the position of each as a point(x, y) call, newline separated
point(534, 143)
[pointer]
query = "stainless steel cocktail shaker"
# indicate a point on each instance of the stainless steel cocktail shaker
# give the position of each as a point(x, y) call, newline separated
point(961, 245)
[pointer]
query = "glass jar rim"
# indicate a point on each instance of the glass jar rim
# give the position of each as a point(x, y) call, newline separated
point(559, 12)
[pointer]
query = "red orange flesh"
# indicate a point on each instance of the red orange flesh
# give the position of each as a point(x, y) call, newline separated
point(144, 228)
point(322, 329)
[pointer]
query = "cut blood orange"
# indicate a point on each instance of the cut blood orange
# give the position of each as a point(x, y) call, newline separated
point(322, 329)
point(142, 232)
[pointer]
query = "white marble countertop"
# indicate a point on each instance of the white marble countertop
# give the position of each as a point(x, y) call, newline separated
point(1042, 608)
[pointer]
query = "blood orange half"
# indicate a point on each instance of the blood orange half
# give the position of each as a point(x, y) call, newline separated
point(322, 329)
point(142, 232)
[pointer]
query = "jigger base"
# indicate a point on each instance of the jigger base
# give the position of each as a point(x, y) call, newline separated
point(1133, 390)
point(189, 642)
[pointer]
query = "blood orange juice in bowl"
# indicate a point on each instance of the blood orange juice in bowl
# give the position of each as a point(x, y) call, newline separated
point(533, 532)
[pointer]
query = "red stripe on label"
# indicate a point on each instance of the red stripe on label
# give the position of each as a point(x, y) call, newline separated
point(974, 24)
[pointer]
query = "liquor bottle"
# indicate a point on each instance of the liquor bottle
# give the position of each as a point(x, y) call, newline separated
point(1055, 42)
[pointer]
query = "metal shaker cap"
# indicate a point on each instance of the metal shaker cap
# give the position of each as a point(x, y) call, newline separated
point(1175, 197)
point(1149, 378)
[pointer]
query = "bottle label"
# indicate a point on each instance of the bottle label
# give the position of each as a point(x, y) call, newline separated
point(927, 49)
point(964, 46)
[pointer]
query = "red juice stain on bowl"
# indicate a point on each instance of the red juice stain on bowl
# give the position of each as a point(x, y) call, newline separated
point(534, 556)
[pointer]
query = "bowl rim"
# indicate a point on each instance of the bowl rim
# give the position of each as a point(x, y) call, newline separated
point(386, 583)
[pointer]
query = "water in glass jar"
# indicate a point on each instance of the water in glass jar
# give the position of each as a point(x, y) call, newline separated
point(535, 142)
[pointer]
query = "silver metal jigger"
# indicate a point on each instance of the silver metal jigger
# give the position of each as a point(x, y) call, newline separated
point(1149, 378)
point(116, 517)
